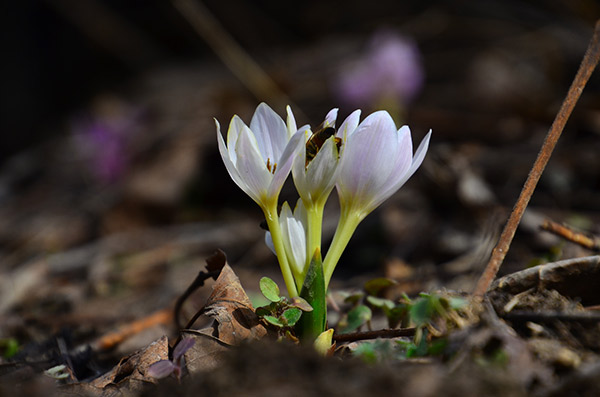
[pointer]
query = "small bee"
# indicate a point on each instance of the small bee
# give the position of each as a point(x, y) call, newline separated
point(316, 141)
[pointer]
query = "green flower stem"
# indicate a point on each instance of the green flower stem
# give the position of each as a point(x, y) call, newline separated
point(347, 224)
point(313, 239)
point(275, 229)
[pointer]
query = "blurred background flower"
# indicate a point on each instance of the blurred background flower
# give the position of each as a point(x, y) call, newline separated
point(102, 137)
point(389, 72)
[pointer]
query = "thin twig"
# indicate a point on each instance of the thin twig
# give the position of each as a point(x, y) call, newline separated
point(588, 64)
point(381, 333)
point(109, 341)
point(590, 242)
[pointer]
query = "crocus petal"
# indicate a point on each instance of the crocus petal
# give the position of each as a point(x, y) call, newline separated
point(399, 169)
point(269, 242)
point(417, 160)
point(420, 154)
point(270, 132)
point(320, 176)
point(330, 118)
point(251, 168)
point(284, 163)
point(229, 165)
point(291, 121)
point(403, 156)
point(376, 162)
point(349, 125)
point(316, 181)
point(366, 163)
point(293, 227)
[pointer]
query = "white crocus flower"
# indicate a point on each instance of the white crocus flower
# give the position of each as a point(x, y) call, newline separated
point(259, 159)
point(377, 160)
point(293, 231)
point(315, 177)
point(315, 180)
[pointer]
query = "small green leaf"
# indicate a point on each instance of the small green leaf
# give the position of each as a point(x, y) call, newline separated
point(270, 289)
point(357, 317)
point(381, 303)
point(301, 304)
point(8, 347)
point(274, 321)
point(396, 315)
point(354, 298)
point(421, 311)
point(375, 286)
point(457, 303)
point(417, 350)
point(262, 311)
point(291, 316)
point(437, 347)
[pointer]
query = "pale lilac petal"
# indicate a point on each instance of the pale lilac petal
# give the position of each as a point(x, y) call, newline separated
point(291, 121)
point(229, 165)
point(320, 176)
point(160, 369)
point(269, 242)
point(369, 155)
point(298, 164)
point(284, 163)
point(270, 132)
point(405, 176)
point(349, 125)
point(183, 346)
point(251, 168)
point(236, 125)
point(404, 154)
point(420, 154)
point(330, 118)
point(294, 230)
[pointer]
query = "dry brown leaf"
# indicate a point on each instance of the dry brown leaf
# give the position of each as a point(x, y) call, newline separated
point(130, 374)
point(232, 310)
point(207, 352)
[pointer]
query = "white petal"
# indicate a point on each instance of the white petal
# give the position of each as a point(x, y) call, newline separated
point(405, 176)
point(291, 121)
point(270, 132)
point(284, 163)
point(368, 158)
point(321, 172)
point(420, 154)
point(251, 168)
point(349, 125)
point(293, 227)
point(269, 242)
point(403, 155)
point(298, 165)
point(330, 118)
point(229, 165)
point(236, 125)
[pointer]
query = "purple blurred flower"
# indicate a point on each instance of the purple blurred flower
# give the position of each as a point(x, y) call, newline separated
point(103, 138)
point(390, 68)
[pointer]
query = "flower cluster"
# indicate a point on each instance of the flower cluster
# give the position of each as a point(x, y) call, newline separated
point(367, 162)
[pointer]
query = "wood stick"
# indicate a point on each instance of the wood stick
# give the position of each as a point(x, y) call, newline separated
point(588, 64)
point(592, 243)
